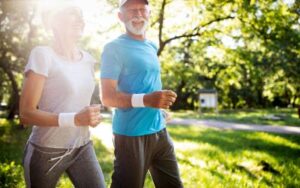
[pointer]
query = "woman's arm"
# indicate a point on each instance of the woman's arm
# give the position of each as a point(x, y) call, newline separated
point(31, 93)
point(30, 114)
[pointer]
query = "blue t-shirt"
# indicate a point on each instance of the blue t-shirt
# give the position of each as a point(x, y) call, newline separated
point(134, 64)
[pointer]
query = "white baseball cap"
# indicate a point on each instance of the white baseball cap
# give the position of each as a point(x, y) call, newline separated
point(122, 2)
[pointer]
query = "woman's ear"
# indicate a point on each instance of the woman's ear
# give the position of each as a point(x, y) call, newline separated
point(121, 16)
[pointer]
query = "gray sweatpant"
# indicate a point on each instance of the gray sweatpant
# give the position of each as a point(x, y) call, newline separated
point(134, 156)
point(42, 170)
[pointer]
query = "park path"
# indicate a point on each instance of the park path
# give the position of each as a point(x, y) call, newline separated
point(231, 125)
point(104, 132)
point(236, 126)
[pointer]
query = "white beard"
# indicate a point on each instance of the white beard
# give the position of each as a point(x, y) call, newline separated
point(136, 30)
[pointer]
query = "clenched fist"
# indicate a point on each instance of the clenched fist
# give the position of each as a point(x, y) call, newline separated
point(160, 99)
point(89, 116)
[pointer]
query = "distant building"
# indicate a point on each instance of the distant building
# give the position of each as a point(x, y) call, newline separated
point(208, 98)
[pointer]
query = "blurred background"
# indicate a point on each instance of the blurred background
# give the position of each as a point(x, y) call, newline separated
point(248, 51)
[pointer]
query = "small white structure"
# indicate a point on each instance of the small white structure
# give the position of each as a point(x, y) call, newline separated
point(208, 98)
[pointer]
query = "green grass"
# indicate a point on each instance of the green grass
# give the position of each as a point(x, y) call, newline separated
point(207, 158)
point(211, 158)
point(257, 116)
point(12, 142)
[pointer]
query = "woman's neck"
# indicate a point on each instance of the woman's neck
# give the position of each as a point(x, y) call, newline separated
point(67, 49)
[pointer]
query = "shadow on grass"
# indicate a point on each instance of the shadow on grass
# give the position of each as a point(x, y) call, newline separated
point(237, 141)
point(223, 155)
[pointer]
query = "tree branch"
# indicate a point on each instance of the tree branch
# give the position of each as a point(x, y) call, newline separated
point(161, 21)
point(194, 33)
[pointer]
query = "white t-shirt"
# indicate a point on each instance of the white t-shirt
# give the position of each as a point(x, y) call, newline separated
point(68, 88)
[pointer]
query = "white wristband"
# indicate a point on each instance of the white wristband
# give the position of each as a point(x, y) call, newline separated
point(137, 100)
point(66, 119)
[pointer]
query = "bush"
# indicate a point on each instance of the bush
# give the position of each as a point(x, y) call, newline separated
point(10, 175)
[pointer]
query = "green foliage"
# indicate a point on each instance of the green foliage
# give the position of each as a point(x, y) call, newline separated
point(10, 175)
point(17, 38)
point(247, 50)
point(12, 142)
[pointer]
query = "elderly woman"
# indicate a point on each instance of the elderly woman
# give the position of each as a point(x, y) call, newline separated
point(56, 95)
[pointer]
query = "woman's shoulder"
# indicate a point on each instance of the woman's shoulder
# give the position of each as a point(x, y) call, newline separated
point(41, 50)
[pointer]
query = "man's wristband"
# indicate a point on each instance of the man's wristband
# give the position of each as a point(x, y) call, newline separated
point(66, 120)
point(137, 100)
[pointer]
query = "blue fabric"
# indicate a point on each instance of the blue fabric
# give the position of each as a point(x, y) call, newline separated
point(134, 64)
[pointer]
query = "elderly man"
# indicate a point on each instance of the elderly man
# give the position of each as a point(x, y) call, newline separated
point(131, 82)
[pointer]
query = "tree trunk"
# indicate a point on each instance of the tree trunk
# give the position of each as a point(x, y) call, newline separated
point(13, 105)
point(299, 111)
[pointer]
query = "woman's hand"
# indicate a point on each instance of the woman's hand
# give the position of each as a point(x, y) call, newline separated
point(89, 116)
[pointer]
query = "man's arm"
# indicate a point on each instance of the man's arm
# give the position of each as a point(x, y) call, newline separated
point(113, 98)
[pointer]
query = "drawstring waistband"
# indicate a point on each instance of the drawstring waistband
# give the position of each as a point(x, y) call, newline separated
point(60, 158)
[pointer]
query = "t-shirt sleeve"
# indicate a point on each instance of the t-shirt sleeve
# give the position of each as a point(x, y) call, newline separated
point(110, 65)
point(154, 46)
point(39, 62)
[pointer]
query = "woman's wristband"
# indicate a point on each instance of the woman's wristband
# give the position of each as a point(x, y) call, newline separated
point(66, 119)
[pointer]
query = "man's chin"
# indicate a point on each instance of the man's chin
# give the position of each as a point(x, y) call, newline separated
point(135, 30)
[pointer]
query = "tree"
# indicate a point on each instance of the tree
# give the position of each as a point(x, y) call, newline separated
point(259, 69)
point(16, 32)
point(247, 50)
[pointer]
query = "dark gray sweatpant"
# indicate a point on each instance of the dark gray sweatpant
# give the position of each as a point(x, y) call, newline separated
point(81, 165)
point(134, 156)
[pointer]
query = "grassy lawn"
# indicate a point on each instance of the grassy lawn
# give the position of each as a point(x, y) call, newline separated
point(207, 157)
point(288, 116)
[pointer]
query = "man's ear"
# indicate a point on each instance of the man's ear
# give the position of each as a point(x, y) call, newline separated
point(121, 16)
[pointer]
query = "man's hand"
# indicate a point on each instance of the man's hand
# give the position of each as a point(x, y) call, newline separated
point(89, 116)
point(160, 99)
